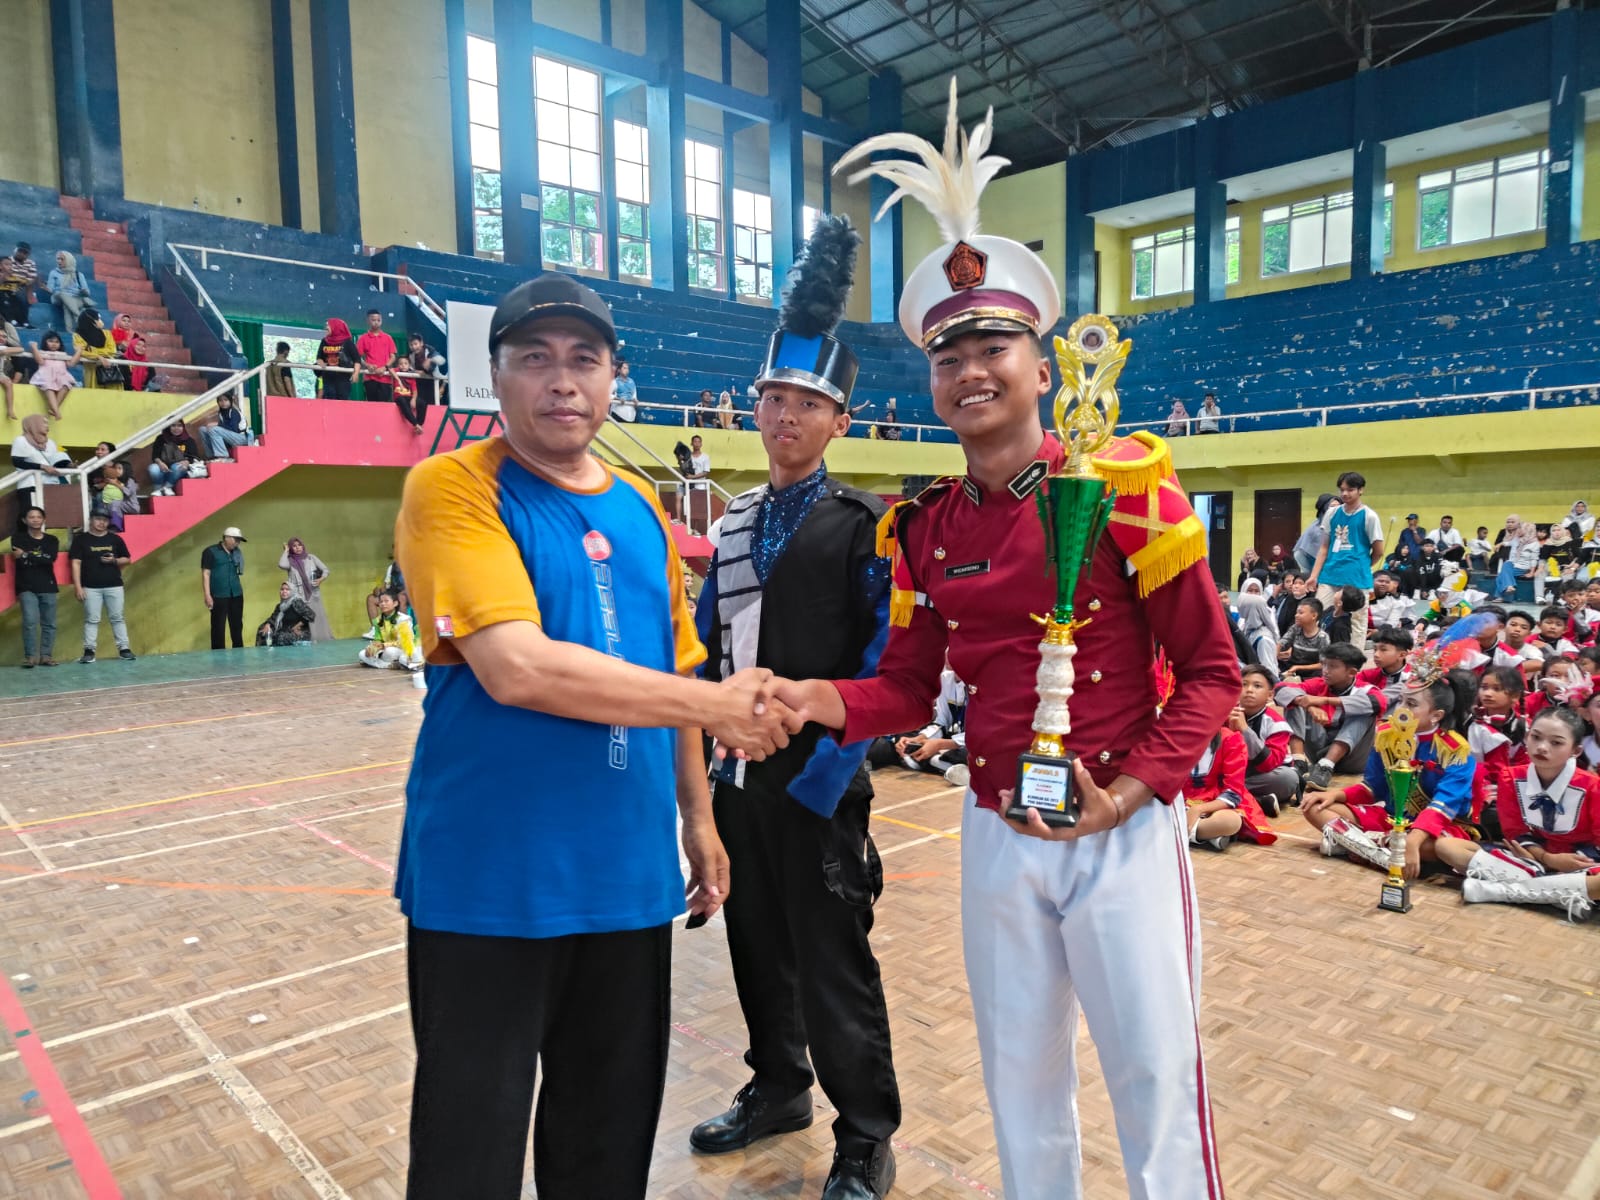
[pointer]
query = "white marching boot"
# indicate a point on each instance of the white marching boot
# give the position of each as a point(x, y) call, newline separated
point(1569, 892)
point(1357, 843)
point(1499, 868)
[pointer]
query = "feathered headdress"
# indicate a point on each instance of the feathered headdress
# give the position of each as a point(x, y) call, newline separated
point(820, 281)
point(1432, 662)
point(803, 350)
point(973, 281)
point(947, 184)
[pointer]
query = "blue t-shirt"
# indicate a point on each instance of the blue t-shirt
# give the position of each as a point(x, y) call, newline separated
point(1351, 537)
point(519, 823)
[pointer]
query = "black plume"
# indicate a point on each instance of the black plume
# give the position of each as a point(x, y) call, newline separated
point(819, 283)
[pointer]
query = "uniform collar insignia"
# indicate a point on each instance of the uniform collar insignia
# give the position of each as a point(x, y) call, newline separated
point(973, 491)
point(1028, 478)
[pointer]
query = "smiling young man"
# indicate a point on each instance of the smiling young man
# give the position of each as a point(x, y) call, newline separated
point(538, 867)
point(1101, 915)
point(797, 587)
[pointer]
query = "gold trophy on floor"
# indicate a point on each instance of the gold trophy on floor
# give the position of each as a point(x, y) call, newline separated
point(1396, 742)
point(1074, 508)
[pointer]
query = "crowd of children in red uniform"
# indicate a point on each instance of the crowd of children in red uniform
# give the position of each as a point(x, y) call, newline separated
point(1508, 733)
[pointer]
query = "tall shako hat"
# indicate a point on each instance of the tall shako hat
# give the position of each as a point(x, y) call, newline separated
point(973, 282)
point(803, 349)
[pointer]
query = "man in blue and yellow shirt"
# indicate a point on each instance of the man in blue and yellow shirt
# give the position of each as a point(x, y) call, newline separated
point(538, 867)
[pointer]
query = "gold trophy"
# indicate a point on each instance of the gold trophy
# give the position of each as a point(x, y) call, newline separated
point(1074, 508)
point(1396, 742)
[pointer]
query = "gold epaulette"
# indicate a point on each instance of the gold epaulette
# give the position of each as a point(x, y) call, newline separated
point(1451, 749)
point(889, 523)
point(1135, 464)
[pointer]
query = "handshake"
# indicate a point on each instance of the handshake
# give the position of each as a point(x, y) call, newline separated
point(754, 712)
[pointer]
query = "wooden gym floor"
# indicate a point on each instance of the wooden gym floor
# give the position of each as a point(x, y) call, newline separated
point(202, 978)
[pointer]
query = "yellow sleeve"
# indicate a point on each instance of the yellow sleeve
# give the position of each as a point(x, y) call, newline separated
point(689, 652)
point(463, 571)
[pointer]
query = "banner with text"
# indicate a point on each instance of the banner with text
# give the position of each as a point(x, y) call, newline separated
point(470, 388)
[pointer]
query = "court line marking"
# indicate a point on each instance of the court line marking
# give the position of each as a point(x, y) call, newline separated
point(56, 872)
point(339, 844)
point(89, 733)
point(197, 697)
point(67, 1039)
point(232, 812)
point(1585, 1184)
point(226, 682)
point(51, 822)
point(932, 837)
point(951, 833)
point(248, 1056)
point(27, 840)
point(262, 1115)
point(87, 1161)
point(876, 811)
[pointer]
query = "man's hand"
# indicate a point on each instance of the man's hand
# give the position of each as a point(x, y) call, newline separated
point(1236, 719)
point(16, 551)
point(817, 698)
point(752, 721)
point(1314, 802)
point(1321, 716)
point(931, 747)
point(77, 589)
point(707, 889)
point(1414, 841)
point(208, 601)
point(1097, 811)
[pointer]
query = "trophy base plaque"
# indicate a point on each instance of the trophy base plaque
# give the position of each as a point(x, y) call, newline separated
point(1396, 897)
point(1044, 786)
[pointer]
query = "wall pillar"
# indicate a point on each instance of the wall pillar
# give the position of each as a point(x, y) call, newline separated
point(1564, 194)
point(664, 104)
point(1369, 179)
point(333, 93)
point(284, 115)
point(786, 171)
point(1210, 218)
point(519, 142)
point(1079, 288)
point(455, 52)
point(886, 242)
point(88, 112)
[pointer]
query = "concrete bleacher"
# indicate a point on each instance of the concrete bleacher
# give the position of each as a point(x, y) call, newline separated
point(34, 215)
point(1509, 323)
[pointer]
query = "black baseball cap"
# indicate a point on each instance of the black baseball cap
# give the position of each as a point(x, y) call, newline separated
point(550, 295)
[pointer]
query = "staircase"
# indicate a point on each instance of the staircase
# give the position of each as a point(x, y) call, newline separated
point(129, 290)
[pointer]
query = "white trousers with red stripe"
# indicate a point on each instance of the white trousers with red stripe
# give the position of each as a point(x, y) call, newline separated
point(1109, 923)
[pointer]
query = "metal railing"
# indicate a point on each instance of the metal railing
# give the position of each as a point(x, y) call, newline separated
point(234, 384)
point(404, 285)
point(1512, 400)
point(202, 299)
point(688, 417)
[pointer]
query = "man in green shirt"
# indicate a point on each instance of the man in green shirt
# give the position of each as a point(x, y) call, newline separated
point(222, 586)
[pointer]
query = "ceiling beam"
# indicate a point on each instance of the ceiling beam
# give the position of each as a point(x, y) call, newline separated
point(983, 47)
point(1347, 25)
point(1168, 41)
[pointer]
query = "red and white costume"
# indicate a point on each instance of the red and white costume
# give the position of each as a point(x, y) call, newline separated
point(1219, 775)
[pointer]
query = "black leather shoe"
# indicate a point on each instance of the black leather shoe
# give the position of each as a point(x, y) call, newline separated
point(752, 1117)
point(861, 1176)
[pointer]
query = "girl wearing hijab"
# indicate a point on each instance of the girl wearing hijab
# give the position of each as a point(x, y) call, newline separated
point(94, 345)
point(138, 377)
point(1257, 624)
point(335, 350)
point(68, 287)
point(122, 330)
point(34, 451)
point(307, 573)
point(1579, 522)
point(173, 456)
point(726, 417)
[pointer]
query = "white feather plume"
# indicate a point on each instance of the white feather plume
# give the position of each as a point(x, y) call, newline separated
point(947, 184)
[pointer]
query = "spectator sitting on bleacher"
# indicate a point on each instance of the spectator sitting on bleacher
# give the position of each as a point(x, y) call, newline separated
point(727, 417)
point(122, 331)
point(174, 455)
point(888, 429)
point(231, 428)
point(375, 354)
point(140, 379)
point(1579, 522)
point(1209, 418)
point(1452, 546)
point(1411, 537)
point(11, 356)
point(336, 349)
point(94, 345)
point(34, 451)
point(1177, 419)
point(118, 496)
point(1426, 572)
point(1503, 539)
point(18, 277)
point(1479, 549)
point(428, 365)
point(705, 412)
point(53, 374)
point(1521, 562)
point(69, 290)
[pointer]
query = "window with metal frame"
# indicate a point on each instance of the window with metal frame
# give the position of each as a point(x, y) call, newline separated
point(1314, 233)
point(1495, 198)
point(1163, 262)
point(567, 117)
point(752, 244)
point(631, 144)
point(703, 194)
point(483, 131)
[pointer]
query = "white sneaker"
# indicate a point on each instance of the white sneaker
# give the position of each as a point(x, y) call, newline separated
point(959, 775)
point(1330, 848)
point(1569, 892)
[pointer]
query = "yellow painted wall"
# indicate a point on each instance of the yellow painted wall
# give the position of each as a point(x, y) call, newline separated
point(1534, 464)
point(402, 102)
point(188, 143)
point(88, 415)
point(344, 514)
point(28, 130)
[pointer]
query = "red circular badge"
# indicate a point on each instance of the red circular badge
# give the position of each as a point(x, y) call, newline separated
point(596, 546)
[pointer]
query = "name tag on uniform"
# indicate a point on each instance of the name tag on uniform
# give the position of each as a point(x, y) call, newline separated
point(964, 570)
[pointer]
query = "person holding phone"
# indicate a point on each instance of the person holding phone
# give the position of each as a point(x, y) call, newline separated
point(307, 573)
